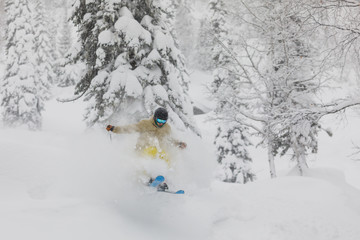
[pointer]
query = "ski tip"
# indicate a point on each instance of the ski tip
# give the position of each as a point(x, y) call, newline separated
point(180, 192)
point(157, 181)
point(159, 178)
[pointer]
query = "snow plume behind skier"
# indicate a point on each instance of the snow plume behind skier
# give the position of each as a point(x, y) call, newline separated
point(89, 165)
point(155, 139)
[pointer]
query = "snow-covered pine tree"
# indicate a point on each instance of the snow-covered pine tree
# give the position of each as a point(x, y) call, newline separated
point(185, 26)
point(20, 89)
point(220, 30)
point(232, 140)
point(132, 60)
point(204, 45)
point(85, 18)
point(232, 153)
point(2, 28)
point(64, 36)
point(45, 71)
point(53, 16)
point(67, 71)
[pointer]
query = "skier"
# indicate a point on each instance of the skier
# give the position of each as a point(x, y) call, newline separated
point(155, 135)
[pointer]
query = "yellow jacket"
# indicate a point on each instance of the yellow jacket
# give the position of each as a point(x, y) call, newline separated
point(150, 134)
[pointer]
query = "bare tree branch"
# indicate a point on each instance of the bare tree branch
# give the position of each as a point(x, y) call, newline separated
point(339, 107)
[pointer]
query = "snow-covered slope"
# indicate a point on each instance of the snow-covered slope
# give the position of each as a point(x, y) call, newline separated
point(70, 183)
point(78, 192)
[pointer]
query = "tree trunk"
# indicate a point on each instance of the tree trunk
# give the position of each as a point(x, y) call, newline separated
point(271, 159)
point(300, 158)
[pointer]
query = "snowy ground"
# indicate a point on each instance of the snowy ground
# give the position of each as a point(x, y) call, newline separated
point(70, 183)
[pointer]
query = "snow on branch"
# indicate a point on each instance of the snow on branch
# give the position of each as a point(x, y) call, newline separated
point(339, 107)
point(352, 30)
point(70, 99)
point(238, 63)
point(338, 4)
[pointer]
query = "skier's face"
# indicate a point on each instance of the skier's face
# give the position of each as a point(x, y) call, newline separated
point(160, 122)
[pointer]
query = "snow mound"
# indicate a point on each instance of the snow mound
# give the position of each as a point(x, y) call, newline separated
point(286, 208)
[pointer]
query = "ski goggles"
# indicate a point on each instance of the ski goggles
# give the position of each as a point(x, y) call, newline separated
point(161, 121)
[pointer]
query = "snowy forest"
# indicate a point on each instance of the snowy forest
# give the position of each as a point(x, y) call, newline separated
point(259, 90)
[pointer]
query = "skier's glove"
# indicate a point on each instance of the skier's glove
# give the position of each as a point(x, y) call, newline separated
point(110, 128)
point(182, 145)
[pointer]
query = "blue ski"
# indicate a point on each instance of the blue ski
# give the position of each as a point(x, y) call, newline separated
point(173, 192)
point(157, 181)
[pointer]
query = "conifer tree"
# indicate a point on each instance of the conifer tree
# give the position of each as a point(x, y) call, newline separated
point(43, 49)
point(21, 90)
point(232, 138)
point(204, 44)
point(185, 26)
point(220, 30)
point(132, 60)
point(2, 28)
point(233, 155)
point(64, 38)
point(67, 71)
point(53, 16)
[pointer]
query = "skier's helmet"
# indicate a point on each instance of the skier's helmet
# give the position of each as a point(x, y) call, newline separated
point(161, 113)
